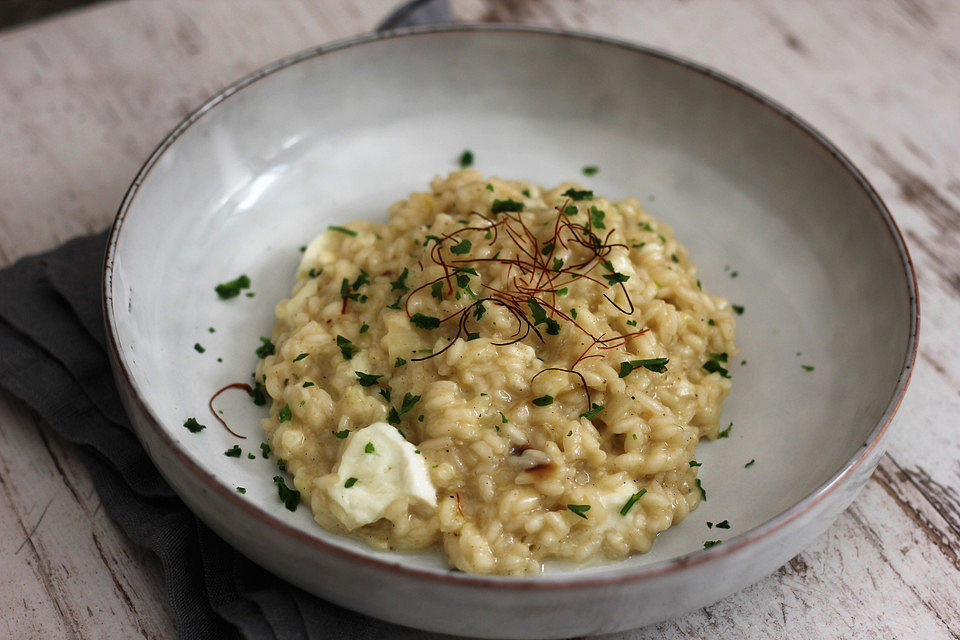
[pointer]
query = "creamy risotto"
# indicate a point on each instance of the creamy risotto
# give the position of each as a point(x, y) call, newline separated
point(508, 372)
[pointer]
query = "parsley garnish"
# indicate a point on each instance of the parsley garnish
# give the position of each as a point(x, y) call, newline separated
point(578, 194)
point(723, 525)
point(347, 348)
point(265, 448)
point(349, 232)
point(562, 291)
point(579, 509)
point(301, 357)
point(594, 410)
point(462, 248)
point(726, 432)
point(590, 170)
point(366, 379)
point(479, 310)
point(400, 284)
point(632, 501)
point(489, 187)
point(807, 367)
point(281, 464)
point(543, 401)
point(342, 434)
point(193, 426)
point(713, 364)
point(232, 288)
point(307, 384)
point(385, 392)
point(503, 418)
point(500, 206)
point(540, 317)
point(703, 492)
point(547, 249)
point(557, 264)
point(364, 327)
point(233, 452)
point(570, 210)
point(614, 278)
point(425, 322)
point(285, 414)
point(393, 417)
point(749, 464)
point(199, 347)
point(694, 463)
point(466, 159)
point(350, 482)
point(596, 217)
point(711, 543)
point(251, 456)
point(289, 497)
point(409, 400)
point(369, 448)
point(657, 365)
point(266, 348)
point(241, 490)
point(396, 303)
point(436, 290)
point(313, 273)
point(738, 308)
point(399, 362)
point(259, 394)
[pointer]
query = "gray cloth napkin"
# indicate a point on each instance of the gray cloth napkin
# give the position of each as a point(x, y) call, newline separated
point(52, 356)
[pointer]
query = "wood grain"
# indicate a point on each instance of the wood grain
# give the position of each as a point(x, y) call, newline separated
point(84, 98)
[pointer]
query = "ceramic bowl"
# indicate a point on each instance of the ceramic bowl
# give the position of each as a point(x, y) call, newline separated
point(775, 217)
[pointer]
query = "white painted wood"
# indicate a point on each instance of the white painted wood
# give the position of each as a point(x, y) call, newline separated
point(84, 97)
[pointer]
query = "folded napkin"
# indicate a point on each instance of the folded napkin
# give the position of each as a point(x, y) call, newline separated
point(53, 357)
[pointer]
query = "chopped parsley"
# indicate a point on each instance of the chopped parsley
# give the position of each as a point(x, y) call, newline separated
point(711, 543)
point(596, 217)
point(250, 456)
point(281, 464)
point(396, 303)
point(347, 348)
point(570, 210)
point(400, 284)
point(540, 317)
point(632, 501)
point(425, 322)
point(462, 248)
point(632, 323)
point(285, 414)
point(241, 490)
point(547, 249)
point(350, 482)
point(408, 402)
point(726, 432)
point(366, 379)
point(231, 289)
point(594, 410)
point(212, 330)
point(199, 348)
point(489, 187)
point(399, 362)
point(313, 273)
point(723, 525)
point(364, 327)
point(301, 357)
point(266, 348)
point(385, 392)
point(614, 278)
point(233, 452)
point(749, 464)
point(308, 384)
point(694, 463)
point(479, 310)
point(807, 367)
point(590, 170)
point(369, 448)
point(501, 206)
point(289, 497)
point(674, 257)
point(579, 509)
point(342, 434)
point(703, 492)
point(738, 308)
point(503, 418)
point(578, 194)
point(349, 232)
point(713, 364)
point(436, 290)
point(562, 291)
point(466, 158)
point(193, 426)
point(265, 449)
point(543, 401)
point(657, 365)
point(557, 264)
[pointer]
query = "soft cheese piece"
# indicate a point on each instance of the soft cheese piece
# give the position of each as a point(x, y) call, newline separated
point(378, 467)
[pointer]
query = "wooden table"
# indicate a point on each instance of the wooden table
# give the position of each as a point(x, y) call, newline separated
point(84, 98)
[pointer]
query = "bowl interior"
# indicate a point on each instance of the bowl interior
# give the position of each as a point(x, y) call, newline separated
point(772, 219)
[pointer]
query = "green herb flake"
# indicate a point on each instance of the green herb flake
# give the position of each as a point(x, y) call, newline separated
point(266, 348)
point(281, 464)
point(726, 432)
point(596, 217)
point(674, 257)
point(807, 367)
point(212, 330)
point(347, 348)
point(199, 348)
point(503, 418)
point(231, 289)
point(632, 501)
point(193, 426)
point(590, 170)
point(547, 249)
point(657, 365)
point(694, 463)
point(466, 158)
point(350, 482)
point(396, 303)
point(393, 417)
point(711, 322)
point(562, 291)
point(489, 187)
point(711, 543)
point(570, 210)
point(250, 456)
point(265, 449)
point(573, 313)
point(703, 492)
point(289, 497)
point(543, 401)
point(540, 317)
point(615, 278)
point(285, 414)
point(369, 448)
point(738, 309)
point(366, 379)
point(408, 402)
point(723, 525)
point(436, 290)
point(349, 232)
point(557, 264)
point(364, 328)
point(502, 206)
point(400, 284)
point(579, 509)
point(594, 410)
point(399, 362)
point(342, 435)
point(301, 357)
point(632, 323)
point(424, 321)
point(578, 194)
point(749, 464)
point(308, 384)
point(233, 452)
point(385, 392)
point(713, 366)
point(462, 248)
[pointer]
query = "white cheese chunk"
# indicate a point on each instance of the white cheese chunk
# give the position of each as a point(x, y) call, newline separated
point(387, 469)
point(612, 504)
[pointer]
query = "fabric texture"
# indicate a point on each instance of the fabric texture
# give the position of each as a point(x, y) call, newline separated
point(52, 337)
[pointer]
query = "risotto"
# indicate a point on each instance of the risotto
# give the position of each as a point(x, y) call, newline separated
point(507, 372)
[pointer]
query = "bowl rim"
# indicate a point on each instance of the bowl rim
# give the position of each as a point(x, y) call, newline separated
point(612, 574)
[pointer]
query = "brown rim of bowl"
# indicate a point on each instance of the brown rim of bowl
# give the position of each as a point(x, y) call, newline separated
point(541, 581)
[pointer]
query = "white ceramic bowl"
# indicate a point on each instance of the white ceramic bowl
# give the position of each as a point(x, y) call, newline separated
point(341, 132)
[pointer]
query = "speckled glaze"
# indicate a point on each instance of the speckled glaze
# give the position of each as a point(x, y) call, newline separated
point(341, 132)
